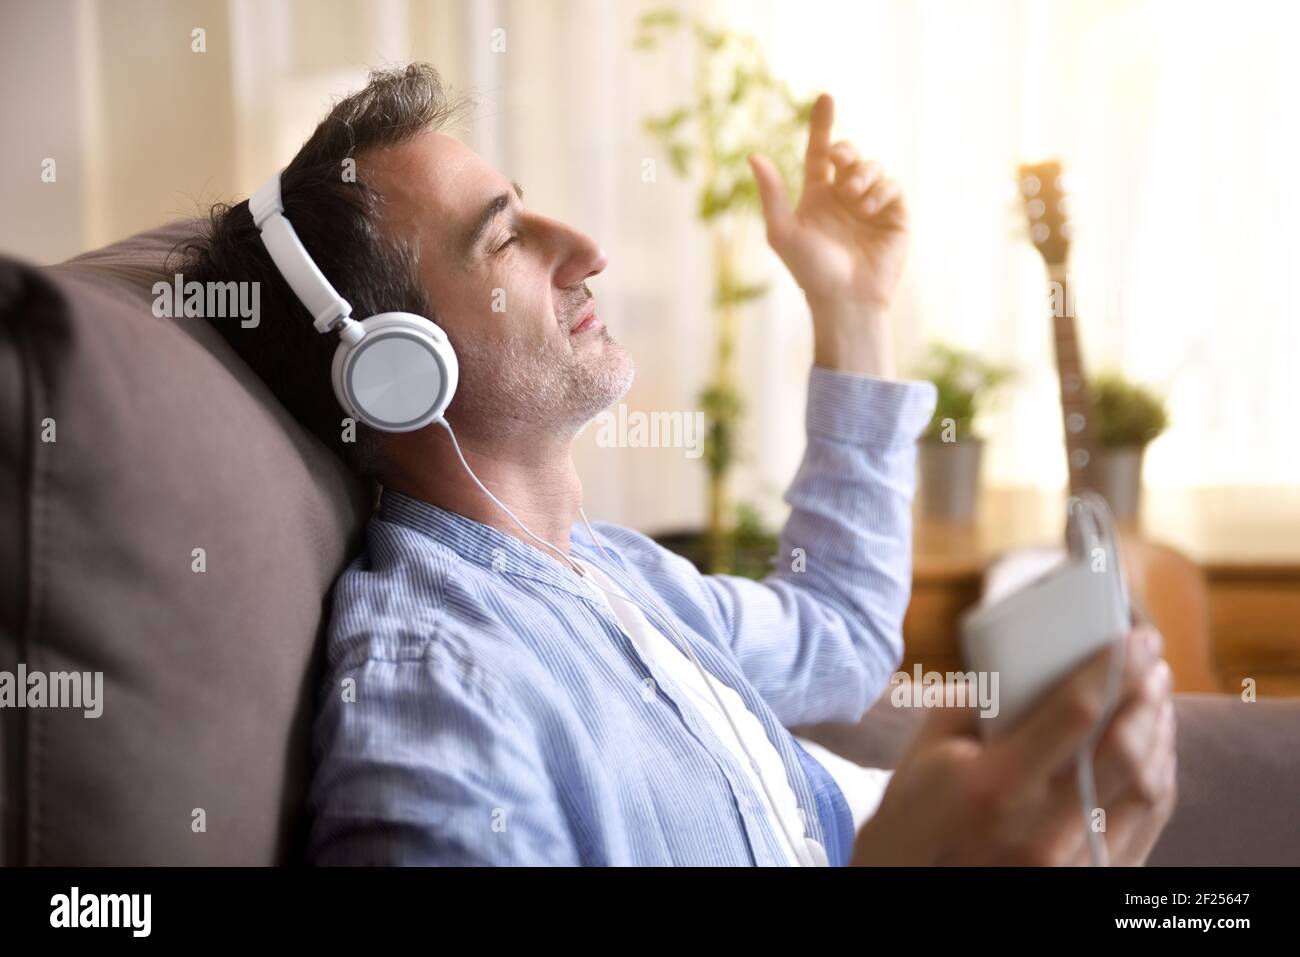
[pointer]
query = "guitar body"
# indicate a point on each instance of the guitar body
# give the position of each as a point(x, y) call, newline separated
point(1165, 588)
point(1171, 592)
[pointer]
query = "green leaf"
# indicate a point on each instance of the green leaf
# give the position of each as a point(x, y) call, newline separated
point(663, 125)
point(710, 38)
point(662, 17)
point(740, 85)
point(965, 383)
point(711, 204)
point(744, 192)
point(1125, 413)
point(679, 157)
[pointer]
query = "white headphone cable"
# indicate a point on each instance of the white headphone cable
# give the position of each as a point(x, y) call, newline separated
point(799, 849)
point(500, 504)
point(1098, 509)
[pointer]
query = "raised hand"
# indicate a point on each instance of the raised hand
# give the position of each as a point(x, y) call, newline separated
point(845, 244)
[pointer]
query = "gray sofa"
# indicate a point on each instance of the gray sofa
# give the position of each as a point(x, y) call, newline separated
point(165, 443)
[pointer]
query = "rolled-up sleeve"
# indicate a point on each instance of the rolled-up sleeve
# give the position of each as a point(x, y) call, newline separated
point(820, 636)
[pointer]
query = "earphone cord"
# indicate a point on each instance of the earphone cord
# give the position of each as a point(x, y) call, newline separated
point(799, 849)
point(1087, 783)
point(1099, 510)
point(501, 505)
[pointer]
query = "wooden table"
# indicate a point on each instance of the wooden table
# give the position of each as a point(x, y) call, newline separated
point(1245, 540)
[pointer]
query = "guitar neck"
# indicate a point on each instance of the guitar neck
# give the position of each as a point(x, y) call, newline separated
point(1076, 400)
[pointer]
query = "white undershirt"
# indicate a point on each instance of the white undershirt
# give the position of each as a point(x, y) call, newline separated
point(690, 689)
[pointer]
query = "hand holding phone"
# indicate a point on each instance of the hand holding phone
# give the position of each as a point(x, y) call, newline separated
point(1034, 637)
point(959, 796)
point(1076, 761)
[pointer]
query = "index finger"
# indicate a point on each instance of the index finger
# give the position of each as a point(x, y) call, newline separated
point(817, 161)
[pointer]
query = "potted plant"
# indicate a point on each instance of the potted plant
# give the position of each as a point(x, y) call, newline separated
point(1127, 417)
point(950, 451)
point(736, 107)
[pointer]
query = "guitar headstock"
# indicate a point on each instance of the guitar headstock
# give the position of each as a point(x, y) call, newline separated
point(1045, 208)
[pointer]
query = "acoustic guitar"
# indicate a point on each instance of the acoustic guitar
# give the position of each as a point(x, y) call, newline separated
point(1165, 588)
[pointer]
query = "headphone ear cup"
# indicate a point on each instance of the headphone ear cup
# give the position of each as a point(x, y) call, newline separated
point(399, 375)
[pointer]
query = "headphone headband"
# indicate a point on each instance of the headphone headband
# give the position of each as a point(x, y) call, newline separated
point(394, 371)
point(328, 309)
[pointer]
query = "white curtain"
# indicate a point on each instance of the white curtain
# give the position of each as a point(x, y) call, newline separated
point(1176, 121)
point(1177, 124)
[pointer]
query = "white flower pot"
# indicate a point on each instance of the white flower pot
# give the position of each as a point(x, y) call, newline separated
point(950, 478)
point(1119, 473)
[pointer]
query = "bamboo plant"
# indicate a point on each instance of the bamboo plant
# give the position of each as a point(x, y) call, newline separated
point(736, 107)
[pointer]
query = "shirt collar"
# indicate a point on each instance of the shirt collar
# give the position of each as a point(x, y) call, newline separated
point(482, 544)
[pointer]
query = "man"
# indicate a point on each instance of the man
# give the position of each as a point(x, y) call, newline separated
point(489, 701)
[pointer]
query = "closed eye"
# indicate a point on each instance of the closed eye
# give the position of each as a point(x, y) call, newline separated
point(512, 239)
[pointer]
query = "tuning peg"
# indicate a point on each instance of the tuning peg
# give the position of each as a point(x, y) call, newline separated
point(1030, 185)
point(1041, 232)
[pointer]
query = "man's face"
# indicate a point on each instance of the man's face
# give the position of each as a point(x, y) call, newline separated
point(509, 289)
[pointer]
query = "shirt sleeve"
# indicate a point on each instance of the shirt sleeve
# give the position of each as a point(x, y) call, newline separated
point(422, 762)
point(820, 636)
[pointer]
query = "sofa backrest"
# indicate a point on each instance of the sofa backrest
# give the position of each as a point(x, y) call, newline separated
point(165, 522)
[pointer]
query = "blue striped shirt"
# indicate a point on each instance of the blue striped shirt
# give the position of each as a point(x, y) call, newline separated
point(481, 707)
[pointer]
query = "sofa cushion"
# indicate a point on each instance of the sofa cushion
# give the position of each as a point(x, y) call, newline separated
point(164, 443)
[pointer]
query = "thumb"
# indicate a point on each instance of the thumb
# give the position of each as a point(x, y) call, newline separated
point(771, 190)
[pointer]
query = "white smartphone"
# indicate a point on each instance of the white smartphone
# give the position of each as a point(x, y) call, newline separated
point(1037, 635)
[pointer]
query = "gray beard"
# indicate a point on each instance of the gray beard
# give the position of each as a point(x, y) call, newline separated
point(520, 393)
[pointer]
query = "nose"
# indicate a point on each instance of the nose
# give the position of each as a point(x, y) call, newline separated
point(580, 257)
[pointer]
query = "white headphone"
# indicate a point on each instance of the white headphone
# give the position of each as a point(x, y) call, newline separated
point(394, 371)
